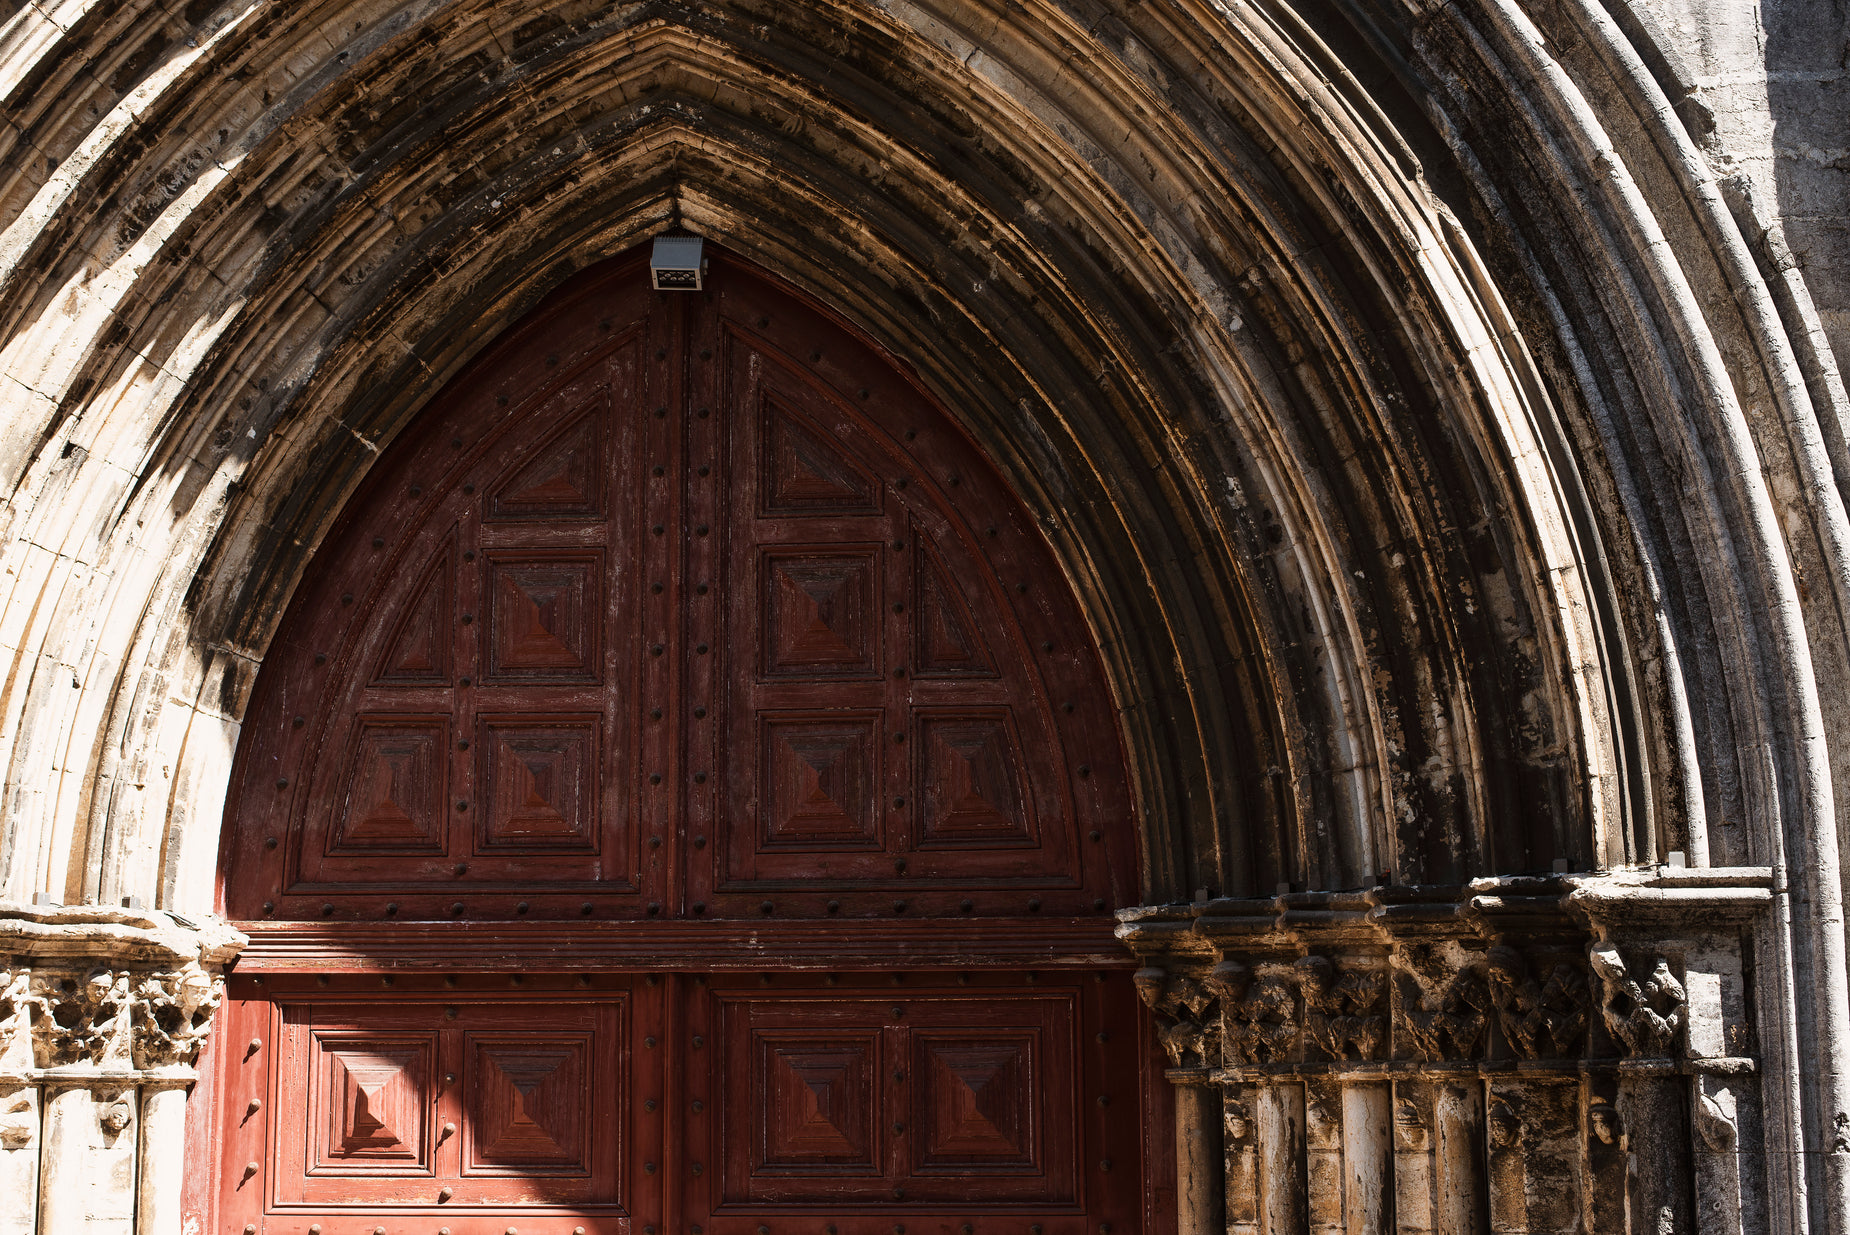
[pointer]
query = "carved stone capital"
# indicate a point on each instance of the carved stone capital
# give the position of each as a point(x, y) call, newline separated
point(173, 1015)
point(1260, 1016)
point(1543, 1013)
point(91, 988)
point(1554, 972)
point(77, 1018)
point(1647, 1016)
point(1184, 1009)
point(1453, 1027)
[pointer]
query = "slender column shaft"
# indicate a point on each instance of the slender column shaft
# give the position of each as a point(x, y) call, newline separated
point(20, 1144)
point(1458, 1153)
point(1282, 1184)
point(163, 1160)
point(1368, 1147)
point(1413, 1169)
point(1198, 1155)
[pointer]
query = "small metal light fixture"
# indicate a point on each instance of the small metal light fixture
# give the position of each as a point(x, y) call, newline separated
point(678, 264)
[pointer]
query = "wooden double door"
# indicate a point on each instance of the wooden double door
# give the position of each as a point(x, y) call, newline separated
point(719, 1103)
point(683, 796)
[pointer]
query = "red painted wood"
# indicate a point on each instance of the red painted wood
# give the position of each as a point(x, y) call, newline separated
point(676, 632)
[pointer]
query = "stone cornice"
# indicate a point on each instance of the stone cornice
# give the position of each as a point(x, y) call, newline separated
point(85, 935)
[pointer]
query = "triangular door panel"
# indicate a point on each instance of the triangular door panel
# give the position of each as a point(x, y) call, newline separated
point(418, 652)
point(564, 478)
point(805, 473)
point(945, 638)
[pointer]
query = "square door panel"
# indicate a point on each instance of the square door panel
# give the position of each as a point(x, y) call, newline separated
point(820, 615)
point(396, 783)
point(539, 785)
point(802, 1106)
point(819, 781)
point(545, 618)
point(501, 1099)
point(369, 1104)
point(530, 1103)
point(817, 1098)
point(994, 1098)
point(978, 1100)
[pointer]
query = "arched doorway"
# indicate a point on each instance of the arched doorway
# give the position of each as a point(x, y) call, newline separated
point(683, 796)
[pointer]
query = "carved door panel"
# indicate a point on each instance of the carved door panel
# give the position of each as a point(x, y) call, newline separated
point(998, 1100)
point(927, 1095)
point(502, 1104)
point(654, 811)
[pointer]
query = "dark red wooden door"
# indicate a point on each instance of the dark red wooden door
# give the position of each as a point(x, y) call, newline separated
point(683, 797)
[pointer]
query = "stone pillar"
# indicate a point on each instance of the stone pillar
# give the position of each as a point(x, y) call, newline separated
point(1283, 1198)
point(162, 1169)
point(1661, 1187)
point(1458, 1151)
point(1367, 1148)
point(1242, 1159)
point(20, 1140)
point(1415, 1211)
point(1200, 1195)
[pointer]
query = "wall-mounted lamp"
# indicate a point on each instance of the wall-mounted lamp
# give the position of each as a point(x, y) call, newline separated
point(677, 264)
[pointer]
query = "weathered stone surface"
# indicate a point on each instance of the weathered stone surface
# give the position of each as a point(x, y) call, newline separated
point(1438, 409)
point(1605, 1066)
point(103, 1013)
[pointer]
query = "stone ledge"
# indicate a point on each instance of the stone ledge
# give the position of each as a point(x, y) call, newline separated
point(85, 935)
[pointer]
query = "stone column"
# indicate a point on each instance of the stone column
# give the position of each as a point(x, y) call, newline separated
point(162, 1169)
point(1415, 1212)
point(1367, 1151)
point(1283, 1203)
point(1242, 1158)
point(20, 1139)
point(1200, 1195)
point(1458, 1151)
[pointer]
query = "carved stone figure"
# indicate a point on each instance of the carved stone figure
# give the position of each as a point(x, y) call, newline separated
point(1342, 1008)
point(1647, 1016)
point(116, 1116)
point(1259, 1014)
point(1456, 1030)
point(1541, 1020)
point(15, 998)
point(1604, 1122)
point(74, 1019)
point(1409, 1127)
point(1715, 1117)
point(173, 1015)
point(1502, 1125)
point(19, 1121)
